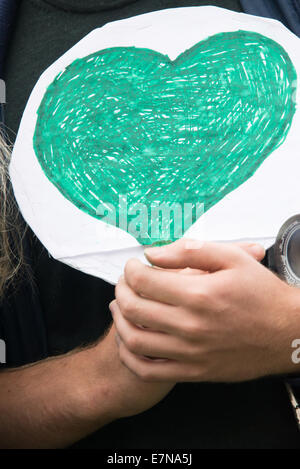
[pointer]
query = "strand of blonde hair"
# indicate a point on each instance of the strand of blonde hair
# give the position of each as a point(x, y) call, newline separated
point(11, 231)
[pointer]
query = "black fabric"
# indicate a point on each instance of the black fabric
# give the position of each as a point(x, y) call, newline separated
point(22, 322)
point(75, 306)
point(206, 416)
point(79, 6)
point(7, 12)
point(286, 11)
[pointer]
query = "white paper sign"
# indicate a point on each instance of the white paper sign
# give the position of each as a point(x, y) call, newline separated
point(254, 211)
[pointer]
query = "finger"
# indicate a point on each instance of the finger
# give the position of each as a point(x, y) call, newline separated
point(147, 313)
point(196, 255)
point(257, 251)
point(157, 284)
point(185, 271)
point(144, 342)
point(143, 368)
point(160, 371)
point(189, 271)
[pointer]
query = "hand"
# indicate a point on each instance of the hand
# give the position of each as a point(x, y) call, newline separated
point(127, 392)
point(233, 323)
point(60, 400)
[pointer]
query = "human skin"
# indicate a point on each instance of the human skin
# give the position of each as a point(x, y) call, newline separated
point(231, 321)
point(53, 403)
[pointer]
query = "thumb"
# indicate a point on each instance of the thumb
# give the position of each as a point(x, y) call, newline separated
point(200, 255)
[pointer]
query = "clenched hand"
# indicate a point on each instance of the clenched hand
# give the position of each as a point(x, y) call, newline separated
point(231, 320)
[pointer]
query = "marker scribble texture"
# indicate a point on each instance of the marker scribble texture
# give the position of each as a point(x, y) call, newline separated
point(131, 121)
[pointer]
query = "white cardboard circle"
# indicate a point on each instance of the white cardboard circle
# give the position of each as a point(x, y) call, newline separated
point(254, 211)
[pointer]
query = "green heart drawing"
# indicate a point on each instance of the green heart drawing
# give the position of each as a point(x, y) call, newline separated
point(129, 123)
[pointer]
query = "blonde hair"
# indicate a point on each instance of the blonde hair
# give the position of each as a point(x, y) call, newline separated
point(11, 229)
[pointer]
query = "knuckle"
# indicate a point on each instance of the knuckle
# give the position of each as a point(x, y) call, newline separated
point(196, 296)
point(127, 307)
point(192, 352)
point(145, 374)
point(127, 303)
point(130, 366)
point(237, 254)
point(132, 343)
point(192, 329)
point(135, 277)
point(223, 291)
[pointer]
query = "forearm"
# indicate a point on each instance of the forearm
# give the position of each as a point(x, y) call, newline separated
point(55, 402)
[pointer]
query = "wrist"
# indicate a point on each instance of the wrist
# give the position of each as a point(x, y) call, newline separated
point(95, 396)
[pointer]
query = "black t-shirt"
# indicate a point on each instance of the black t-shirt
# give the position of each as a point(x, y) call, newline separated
point(64, 308)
